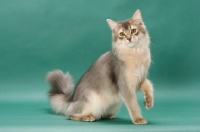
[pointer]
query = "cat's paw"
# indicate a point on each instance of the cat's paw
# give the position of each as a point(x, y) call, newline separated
point(140, 121)
point(112, 116)
point(148, 103)
point(89, 118)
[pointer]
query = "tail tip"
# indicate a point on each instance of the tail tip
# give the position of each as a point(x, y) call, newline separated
point(53, 75)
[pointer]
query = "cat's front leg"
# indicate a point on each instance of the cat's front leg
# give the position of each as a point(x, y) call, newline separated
point(147, 88)
point(128, 95)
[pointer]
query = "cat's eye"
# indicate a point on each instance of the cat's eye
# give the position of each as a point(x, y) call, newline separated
point(122, 34)
point(133, 31)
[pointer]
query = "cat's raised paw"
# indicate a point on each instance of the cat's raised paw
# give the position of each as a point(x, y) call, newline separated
point(148, 103)
point(140, 121)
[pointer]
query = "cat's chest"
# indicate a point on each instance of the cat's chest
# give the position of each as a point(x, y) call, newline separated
point(135, 58)
point(136, 64)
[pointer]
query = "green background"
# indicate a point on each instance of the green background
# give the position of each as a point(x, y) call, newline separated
point(37, 36)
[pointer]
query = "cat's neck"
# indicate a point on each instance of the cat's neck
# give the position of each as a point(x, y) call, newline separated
point(124, 52)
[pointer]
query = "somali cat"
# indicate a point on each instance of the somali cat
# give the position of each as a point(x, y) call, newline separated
point(114, 77)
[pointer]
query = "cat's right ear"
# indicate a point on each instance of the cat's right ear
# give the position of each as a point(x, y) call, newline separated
point(112, 24)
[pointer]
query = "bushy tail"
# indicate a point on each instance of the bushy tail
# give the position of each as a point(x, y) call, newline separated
point(62, 87)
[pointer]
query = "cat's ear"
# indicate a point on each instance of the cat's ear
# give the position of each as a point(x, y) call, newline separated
point(112, 24)
point(137, 17)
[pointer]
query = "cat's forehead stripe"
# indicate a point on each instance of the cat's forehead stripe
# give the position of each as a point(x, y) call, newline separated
point(125, 25)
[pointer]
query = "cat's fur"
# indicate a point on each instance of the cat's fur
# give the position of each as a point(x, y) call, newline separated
point(114, 77)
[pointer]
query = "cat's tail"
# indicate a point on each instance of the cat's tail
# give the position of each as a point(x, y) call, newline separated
point(60, 94)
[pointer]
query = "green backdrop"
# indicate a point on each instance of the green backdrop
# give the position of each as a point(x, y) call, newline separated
point(37, 36)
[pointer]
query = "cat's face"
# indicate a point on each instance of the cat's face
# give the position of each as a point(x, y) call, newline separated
point(130, 32)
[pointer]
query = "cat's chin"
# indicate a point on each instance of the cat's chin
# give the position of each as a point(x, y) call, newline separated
point(132, 44)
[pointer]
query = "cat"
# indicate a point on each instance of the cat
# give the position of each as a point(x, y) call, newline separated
point(112, 79)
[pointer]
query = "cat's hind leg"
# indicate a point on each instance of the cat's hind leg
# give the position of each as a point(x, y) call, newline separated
point(84, 111)
point(80, 111)
point(147, 88)
point(112, 110)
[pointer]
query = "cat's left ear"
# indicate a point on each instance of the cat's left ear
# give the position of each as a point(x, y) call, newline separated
point(137, 17)
point(112, 24)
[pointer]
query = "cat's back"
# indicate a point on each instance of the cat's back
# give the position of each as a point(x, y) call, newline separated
point(96, 78)
point(102, 66)
point(98, 72)
point(104, 60)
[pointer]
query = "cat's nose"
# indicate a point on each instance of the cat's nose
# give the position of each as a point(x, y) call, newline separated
point(129, 39)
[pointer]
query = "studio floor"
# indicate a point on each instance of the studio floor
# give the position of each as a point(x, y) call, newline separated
point(23, 110)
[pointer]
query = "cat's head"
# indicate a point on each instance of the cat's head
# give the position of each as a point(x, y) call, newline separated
point(131, 32)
